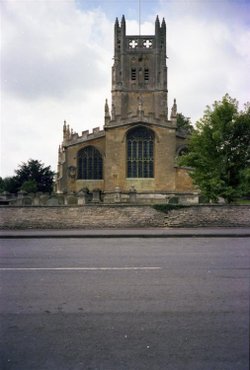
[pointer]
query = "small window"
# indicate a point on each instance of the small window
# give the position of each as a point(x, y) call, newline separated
point(146, 74)
point(182, 150)
point(133, 74)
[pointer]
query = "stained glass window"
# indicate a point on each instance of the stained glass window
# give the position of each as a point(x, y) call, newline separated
point(140, 152)
point(89, 164)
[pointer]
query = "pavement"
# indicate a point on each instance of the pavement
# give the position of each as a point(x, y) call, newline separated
point(128, 233)
point(124, 304)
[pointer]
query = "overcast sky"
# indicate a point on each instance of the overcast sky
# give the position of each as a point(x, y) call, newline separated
point(56, 59)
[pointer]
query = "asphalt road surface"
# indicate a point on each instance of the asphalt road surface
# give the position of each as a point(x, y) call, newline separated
point(125, 304)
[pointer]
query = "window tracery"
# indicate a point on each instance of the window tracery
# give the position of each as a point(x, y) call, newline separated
point(140, 153)
point(89, 164)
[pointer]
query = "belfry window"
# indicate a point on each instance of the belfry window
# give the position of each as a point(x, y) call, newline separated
point(140, 153)
point(89, 164)
point(133, 74)
point(146, 74)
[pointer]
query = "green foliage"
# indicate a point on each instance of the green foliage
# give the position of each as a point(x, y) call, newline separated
point(243, 201)
point(219, 151)
point(9, 184)
point(29, 186)
point(245, 182)
point(183, 124)
point(165, 208)
point(35, 170)
point(1, 184)
point(31, 176)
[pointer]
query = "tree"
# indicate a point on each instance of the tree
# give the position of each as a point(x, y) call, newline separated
point(29, 186)
point(1, 184)
point(219, 151)
point(9, 184)
point(183, 124)
point(31, 176)
point(245, 182)
point(35, 170)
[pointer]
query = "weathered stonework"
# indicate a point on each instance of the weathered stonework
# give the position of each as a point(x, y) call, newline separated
point(121, 216)
point(210, 216)
point(87, 217)
point(139, 100)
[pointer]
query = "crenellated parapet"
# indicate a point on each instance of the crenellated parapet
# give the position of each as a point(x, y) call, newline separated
point(139, 74)
point(127, 50)
point(70, 137)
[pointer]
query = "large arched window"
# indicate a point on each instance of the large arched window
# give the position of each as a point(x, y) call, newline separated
point(89, 164)
point(140, 152)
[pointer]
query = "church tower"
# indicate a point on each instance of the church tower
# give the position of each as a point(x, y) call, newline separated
point(133, 158)
point(138, 132)
point(139, 75)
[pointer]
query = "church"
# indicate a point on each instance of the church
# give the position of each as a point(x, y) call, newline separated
point(133, 158)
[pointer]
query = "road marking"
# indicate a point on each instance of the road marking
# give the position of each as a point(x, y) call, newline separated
point(79, 268)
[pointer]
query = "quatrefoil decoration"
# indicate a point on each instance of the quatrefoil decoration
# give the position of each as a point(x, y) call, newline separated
point(147, 44)
point(133, 44)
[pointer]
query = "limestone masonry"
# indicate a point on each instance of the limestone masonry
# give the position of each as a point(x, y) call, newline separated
point(136, 151)
point(117, 216)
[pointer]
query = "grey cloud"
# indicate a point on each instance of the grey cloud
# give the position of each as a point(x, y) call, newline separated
point(48, 51)
point(31, 75)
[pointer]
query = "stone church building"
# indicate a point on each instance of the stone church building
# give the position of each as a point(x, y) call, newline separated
point(134, 157)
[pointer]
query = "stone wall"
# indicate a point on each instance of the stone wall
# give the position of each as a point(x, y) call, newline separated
point(85, 217)
point(117, 216)
point(209, 216)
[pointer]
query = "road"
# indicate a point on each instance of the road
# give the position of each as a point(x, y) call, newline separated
point(125, 304)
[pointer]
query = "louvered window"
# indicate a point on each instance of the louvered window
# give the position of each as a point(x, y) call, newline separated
point(146, 74)
point(133, 74)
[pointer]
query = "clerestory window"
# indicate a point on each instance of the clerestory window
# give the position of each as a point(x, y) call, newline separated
point(140, 153)
point(89, 164)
